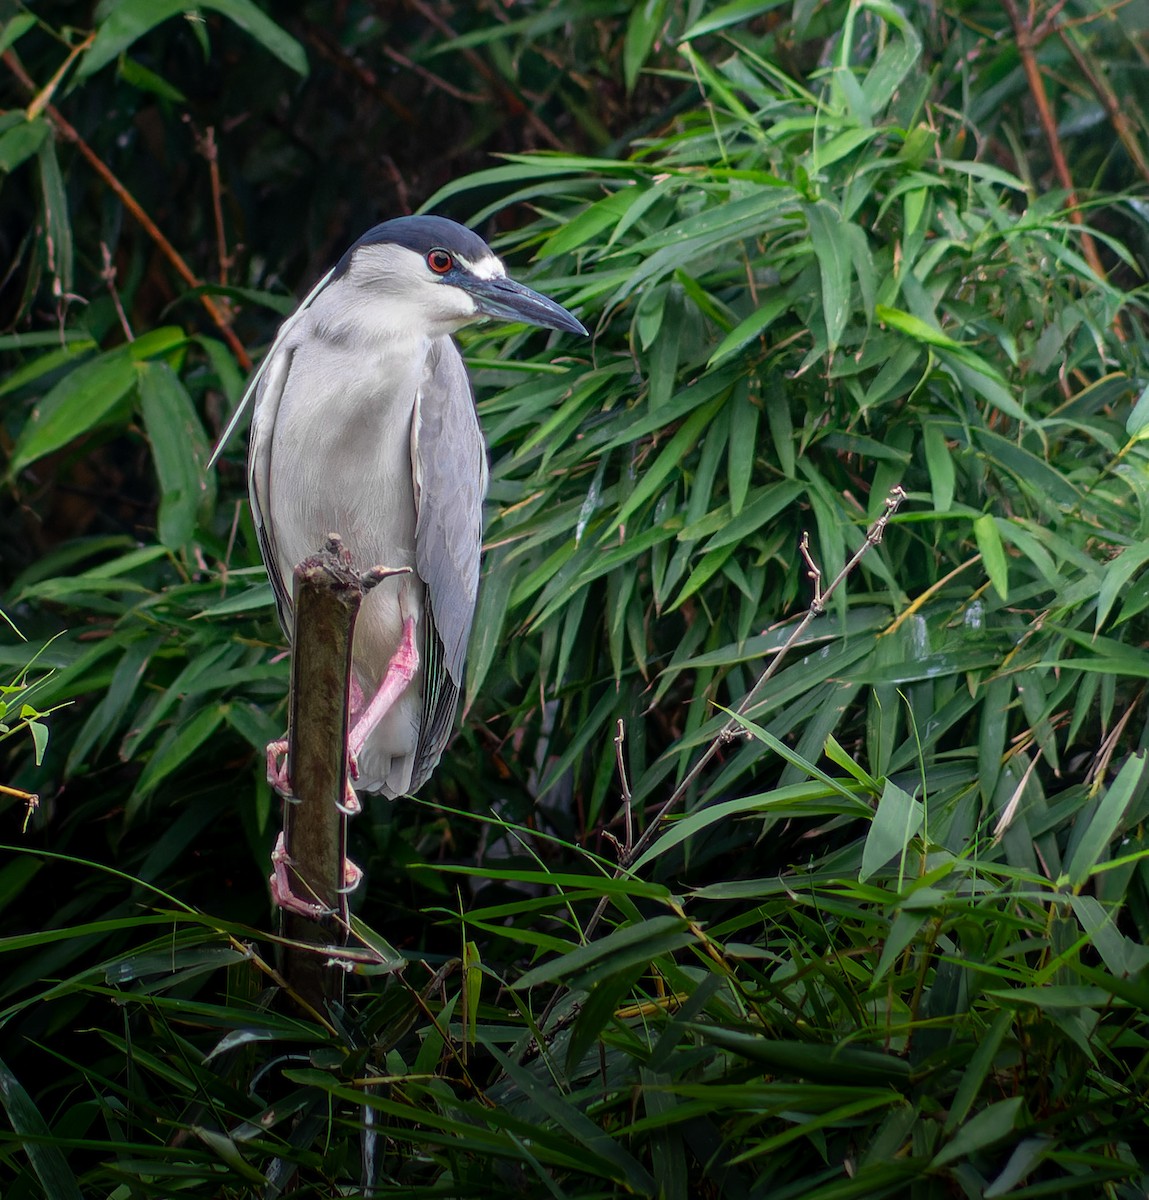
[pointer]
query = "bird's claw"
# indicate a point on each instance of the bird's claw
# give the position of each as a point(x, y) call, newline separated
point(375, 576)
point(350, 806)
point(277, 775)
point(279, 779)
point(285, 897)
point(352, 877)
point(282, 894)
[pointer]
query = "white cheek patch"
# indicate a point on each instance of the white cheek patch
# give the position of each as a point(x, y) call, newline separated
point(486, 268)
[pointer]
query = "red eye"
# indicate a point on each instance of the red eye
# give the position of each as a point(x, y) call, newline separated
point(440, 261)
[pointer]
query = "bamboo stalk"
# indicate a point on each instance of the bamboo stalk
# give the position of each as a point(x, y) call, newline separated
point(328, 593)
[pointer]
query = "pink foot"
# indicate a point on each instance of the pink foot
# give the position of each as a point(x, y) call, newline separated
point(284, 897)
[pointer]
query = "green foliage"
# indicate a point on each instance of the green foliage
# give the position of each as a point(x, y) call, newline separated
point(892, 940)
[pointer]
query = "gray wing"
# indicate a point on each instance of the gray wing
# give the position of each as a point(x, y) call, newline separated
point(266, 387)
point(269, 389)
point(449, 458)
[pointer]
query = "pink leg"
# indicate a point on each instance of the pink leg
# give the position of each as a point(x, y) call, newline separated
point(282, 894)
point(400, 671)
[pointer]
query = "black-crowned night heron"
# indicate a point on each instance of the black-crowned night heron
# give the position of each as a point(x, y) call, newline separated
point(365, 425)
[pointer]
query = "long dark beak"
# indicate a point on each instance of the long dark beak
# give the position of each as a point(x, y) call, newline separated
point(510, 301)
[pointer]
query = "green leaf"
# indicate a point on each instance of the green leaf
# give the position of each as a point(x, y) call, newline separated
point(750, 328)
point(646, 19)
point(733, 13)
point(1103, 827)
point(831, 242)
point(1137, 423)
point(490, 616)
point(48, 1162)
point(596, 218)
point(180, 450)
point(21, 141)
point(148, 81)
point(846, 1065)
point(620, 950)
point(743, 450)
point(14, 28)
point(980, 1065)
point(915, 328)
point(229, 1154)
point(986, 1128)
point(86, 395)
point(1115, 580)
point(897, 820)
point(174, 750)
point(122, 22)
point(596, 1143)
point(655, 475)
point(992, 553)
point(940, 466)
point(56, 228)
point(39, 732)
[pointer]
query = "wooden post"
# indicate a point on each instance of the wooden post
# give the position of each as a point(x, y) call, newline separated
point(328, 593)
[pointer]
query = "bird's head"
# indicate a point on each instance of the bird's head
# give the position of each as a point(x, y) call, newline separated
point(437, 276)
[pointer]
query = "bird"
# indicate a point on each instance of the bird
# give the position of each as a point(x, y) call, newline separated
point(364, 424)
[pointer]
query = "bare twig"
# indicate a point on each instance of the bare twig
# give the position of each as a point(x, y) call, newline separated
point(108, 275)
point(814, 572)
point(31, 803)
point(1122, 126)
point(623, 847)
point(873, 537)
point(210, 151)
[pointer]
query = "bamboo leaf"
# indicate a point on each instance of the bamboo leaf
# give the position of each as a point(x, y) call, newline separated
point(896, 822)
point(992, 550)
point(48, 1162)
point(181, 451)
point(86, 395)
point(125, 21)
point(1100, 831)
point(831, 243)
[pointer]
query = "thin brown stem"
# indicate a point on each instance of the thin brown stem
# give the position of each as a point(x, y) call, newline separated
point(68, 132)
point(1029, 34)
point(210, 151)
point(872, 539)
point(108, 275)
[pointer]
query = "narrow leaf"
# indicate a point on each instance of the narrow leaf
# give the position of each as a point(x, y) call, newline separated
point(992, 553)
point(48, 1162)
point(832, 249)
point(180, 449)
point(898, 818)
point(1103, 827)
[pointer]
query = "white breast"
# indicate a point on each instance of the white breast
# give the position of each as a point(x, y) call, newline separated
point(341, 463)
